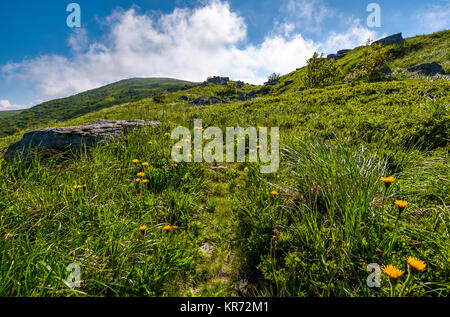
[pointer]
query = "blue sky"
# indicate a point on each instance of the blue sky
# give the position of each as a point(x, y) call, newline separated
point(42, 58)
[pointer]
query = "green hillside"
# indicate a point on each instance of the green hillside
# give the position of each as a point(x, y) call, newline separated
point(415, 50)
point(8, 113)
point(67, 108)
point(224, 229)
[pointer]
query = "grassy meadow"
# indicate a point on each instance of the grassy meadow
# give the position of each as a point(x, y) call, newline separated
point(225, 229)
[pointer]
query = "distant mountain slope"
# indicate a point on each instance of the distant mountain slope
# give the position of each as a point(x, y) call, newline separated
point(8, 113)
point(129, 90)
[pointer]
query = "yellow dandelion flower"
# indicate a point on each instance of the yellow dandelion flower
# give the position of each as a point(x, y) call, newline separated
point(167, 134)
point(135, 161)
point(138, 180)
point(145, 181)
point(258, 146)
point(245, 169)
point(119, 169)
point(401, 204)
point(175, 165)
point(416, 264)
point(274, 193)
point(145, 164)
point(150, 143)
point(140, 174)
point(175, 228)
point(85, 186)
point(387, 181)
point(142, 229)
point(238, 186)
point(392, 271)
point(167, 228)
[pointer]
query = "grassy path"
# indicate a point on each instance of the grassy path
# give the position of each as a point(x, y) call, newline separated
point(216, 273)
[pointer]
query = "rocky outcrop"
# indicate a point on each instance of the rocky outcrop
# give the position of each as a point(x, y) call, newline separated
point(338, 55)
point(429, 69)
point(239, 84)
point(67, 138)
point(393, 39)
point(271, 83)
point(203, 101)
point(218, 80)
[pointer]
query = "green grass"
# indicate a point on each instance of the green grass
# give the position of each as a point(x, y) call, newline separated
point(331, 217)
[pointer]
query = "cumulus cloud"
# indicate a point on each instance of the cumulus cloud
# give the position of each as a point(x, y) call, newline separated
point(6, 105)
point(355, 35)
point(189, 44)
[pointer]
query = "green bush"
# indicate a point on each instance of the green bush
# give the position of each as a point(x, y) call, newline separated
point(321, 72)
point(374, 62)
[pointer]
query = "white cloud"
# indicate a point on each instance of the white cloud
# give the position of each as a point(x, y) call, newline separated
point(6, 105)
point(308, 14)
point(437, 18)
point(188, 44)
point(355, 36)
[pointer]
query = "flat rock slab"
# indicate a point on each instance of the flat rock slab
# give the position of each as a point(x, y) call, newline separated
point(65, 138)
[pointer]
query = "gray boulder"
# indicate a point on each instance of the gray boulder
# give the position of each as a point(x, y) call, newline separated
point(218, 80)
point(332, 56)
point(184, 97)
point(288, 82)
point(338, 55)
point(68, 138)
point(239, 84)
point(429, 69)
point(202, 101)
point(393, 39)
point(387, 71)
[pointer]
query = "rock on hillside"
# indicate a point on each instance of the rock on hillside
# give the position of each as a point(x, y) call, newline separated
point(66, 138)
point(393, 39)
point(430, 69)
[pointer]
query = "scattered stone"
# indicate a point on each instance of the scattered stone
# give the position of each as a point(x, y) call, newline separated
point(332, 56)
point(271, 83)
point(288, 82)
point(393, 39)
point(239, 84)
point(387, 71)
point(202, 101)
point(207, 249)
point(184, 97)
point(251, 95)
point(338, 55)
point(187, 87)
point(242, 96)
point(67, 138)
point(218, 80)
point(429, 69)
